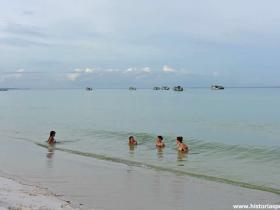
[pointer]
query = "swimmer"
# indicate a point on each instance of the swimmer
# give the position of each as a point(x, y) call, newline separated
point(159, 142)
point(181, 146)
point(132, 141)
point(51, 139)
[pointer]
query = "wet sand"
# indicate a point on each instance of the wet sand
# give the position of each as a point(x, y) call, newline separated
point(16, 196)
point(99, 184)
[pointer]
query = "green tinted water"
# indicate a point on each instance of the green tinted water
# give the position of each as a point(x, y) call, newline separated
point(233, 134)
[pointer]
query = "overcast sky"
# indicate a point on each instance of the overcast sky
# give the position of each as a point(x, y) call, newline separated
point(118, 43)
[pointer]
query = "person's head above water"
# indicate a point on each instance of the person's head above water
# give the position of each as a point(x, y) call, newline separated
point(52, 133)
point(180, 139)
point(131, 140)
point(160, 138)
point(51, 139)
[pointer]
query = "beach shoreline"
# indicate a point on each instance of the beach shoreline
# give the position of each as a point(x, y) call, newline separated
point(106, 185)
point(202, 194)
point(18, 196)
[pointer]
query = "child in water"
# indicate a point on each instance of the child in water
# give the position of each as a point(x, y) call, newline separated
point(51, 139)
point(132, 141)
point(181, 146)
point(159, 142)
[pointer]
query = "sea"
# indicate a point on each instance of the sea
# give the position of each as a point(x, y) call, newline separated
point(233, 134)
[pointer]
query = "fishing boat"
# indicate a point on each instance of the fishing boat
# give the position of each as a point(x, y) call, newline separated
point(217, 87)
point(178, 88)
point(88, 88)
point(132, 88)
point(165, 88)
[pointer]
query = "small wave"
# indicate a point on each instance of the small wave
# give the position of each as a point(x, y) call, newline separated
point(202, 145)
point(57, 141)
point(244, 152)
point(200, 149)
point(211, 149)
point(145, 137)
point(161, 168)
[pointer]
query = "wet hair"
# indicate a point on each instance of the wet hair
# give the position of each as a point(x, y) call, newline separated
point(160, 137)
point(130, 137)
point(52, 133)
point(180, 139)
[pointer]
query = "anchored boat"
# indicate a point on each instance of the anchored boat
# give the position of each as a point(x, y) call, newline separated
point(178, 88)
point(217, 87)
point(165, 88)
point(88, 88)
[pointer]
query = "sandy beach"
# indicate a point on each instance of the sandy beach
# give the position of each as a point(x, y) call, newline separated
point(16, 196)
point(140, 192)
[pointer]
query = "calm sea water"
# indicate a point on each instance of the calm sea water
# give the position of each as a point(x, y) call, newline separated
point(234, 135)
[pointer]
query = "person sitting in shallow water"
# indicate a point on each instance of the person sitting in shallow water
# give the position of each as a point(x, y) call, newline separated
point(181, 146)
point(159, 142)
point(132, 141)
point(51, 139)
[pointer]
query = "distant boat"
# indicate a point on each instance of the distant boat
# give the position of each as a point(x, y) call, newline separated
point(88, 88)
point(3, 89)
point(165, 88)
point(156, 88)
point(178, 88)
point(132, 88)
point(217, 87)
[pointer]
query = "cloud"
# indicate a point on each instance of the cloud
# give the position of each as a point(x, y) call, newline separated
point(20, 70)
point(215, 74)
point(73, 76)
point(22, 42)
point(28, 13)
point(168, 69)
point(22, 35)
point(89, 70)
point(18, 74)
point(113, 70)
point(231, 37)
point(22, 29)
point(138, 71)
point(79, 72)
point(131, 71)
point(147, 70)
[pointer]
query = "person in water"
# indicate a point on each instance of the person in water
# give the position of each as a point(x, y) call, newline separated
point(181, 146)
point(132, 141)
point(159, 142)
point(51, 139)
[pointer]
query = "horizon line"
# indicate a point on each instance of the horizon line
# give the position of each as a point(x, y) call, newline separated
point(124, 88)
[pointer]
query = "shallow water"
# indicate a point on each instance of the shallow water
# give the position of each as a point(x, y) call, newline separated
point(233, 134)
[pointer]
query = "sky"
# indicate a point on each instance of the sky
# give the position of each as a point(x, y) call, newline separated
point(142, 43)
